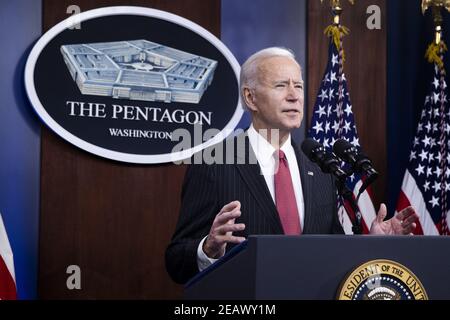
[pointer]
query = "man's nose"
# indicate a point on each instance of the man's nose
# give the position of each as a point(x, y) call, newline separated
point(293, 92)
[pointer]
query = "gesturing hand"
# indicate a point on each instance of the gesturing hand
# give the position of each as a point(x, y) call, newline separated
point(402, 222)
point(222, 229)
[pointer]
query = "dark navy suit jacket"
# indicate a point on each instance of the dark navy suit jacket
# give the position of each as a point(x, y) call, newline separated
point(207, 188)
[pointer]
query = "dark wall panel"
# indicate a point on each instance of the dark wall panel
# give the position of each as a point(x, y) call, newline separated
point(111, 219)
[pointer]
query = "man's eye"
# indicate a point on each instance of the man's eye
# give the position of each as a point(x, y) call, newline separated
point(280, 85)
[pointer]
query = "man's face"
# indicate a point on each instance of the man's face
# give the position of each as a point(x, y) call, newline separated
point(278, 97)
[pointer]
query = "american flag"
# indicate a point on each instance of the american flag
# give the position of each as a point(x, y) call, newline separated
point(7, 278)
point(426, 184)
point(332, 120)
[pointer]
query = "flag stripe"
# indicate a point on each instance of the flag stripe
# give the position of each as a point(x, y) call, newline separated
point(414, 196)
point(7, 284)
point(7, 275)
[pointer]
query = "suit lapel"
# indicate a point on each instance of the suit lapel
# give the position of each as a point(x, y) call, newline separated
point(304, 168)
point(252, 176)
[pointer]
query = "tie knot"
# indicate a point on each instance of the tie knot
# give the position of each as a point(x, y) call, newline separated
point(281, 155)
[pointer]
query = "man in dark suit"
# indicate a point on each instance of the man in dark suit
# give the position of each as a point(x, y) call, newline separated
point(269, 186)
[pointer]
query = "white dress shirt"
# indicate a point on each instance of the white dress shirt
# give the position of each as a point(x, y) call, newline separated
point(266, 156)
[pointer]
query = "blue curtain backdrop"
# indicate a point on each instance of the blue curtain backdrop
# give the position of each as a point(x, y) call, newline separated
point(409, 76)
point(20, 26)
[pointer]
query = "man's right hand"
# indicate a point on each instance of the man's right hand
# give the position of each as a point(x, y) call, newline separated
point(222, 229)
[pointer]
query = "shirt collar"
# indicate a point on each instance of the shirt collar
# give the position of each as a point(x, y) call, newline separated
point(264, 151)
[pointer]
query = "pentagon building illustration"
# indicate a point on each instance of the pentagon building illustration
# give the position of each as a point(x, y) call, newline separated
point(138, 70)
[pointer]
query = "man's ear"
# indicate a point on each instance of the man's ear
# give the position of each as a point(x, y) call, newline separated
point(249, 98)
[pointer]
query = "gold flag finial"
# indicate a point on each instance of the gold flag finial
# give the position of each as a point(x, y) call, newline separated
point(435, 3)
point(336, 8)
point(337, 3)
point(436, 49)
point(336, 31)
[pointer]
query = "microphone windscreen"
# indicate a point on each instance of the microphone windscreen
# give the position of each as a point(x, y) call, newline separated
point(308, 146)
point(340, 147)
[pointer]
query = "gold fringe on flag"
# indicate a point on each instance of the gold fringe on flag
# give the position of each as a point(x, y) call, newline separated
point(336, 33)
point(434, 51)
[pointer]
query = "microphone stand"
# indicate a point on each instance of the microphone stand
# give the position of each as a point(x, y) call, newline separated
point(347, 194)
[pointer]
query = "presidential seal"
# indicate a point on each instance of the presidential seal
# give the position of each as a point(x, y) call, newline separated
point(382, 280)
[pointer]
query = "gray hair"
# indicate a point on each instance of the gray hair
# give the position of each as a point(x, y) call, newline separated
point(249, 69)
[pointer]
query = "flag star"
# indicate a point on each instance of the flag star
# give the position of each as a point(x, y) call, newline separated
point(325, 79)
point(438, 172)
point(323, 95)
point(321, 112)
point(436, 112)
point(435, 97)
point(447, 128)
point(447, 186)
point(430, 113)
point(352, 177)
point(444, 98)
point(427, 100)
point(333, 141)
point(428, 127)
point(445, 84)
point(355, 142)
point(412, 156)
point(435, 127)
point(447, 173)
point(426, 186)
point(434, 201)
point(432, 142)
point(334, 59)
point(423, 155)
point(326, 143)
point(429, 172)
point(318, 127)
point(338, 111)
point(333, 77)
point(344, 79)
point(436, 83)
point(336, 127)
point(347, 126)
point(426, 141)
point(327, 127)
point(439, 157)
point(331, 94)
point(348, 110)
point(437, 187)
point(430, 157)
point(420, 169)
point(416, 141)
point(329, 110)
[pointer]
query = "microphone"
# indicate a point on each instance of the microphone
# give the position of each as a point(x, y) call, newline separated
point(357, 159)
point(330, 164)
point(326, 161)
